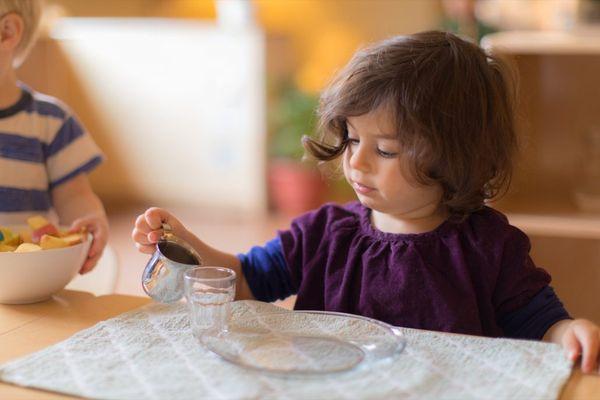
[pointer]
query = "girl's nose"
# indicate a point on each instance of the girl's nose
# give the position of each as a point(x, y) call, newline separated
point(359, 158)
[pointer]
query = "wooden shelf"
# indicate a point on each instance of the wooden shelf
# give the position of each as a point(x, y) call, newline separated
point(580, 41)
point(552, 215)
point(558, 107)
point(574, 225)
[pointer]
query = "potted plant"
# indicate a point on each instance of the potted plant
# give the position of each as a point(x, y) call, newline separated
point(296, 184)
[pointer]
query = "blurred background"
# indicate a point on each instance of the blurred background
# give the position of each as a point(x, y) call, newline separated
point(199, 106)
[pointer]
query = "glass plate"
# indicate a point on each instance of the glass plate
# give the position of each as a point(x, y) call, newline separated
point(305, 342)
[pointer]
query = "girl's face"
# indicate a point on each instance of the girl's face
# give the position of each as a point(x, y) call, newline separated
point(377, 171)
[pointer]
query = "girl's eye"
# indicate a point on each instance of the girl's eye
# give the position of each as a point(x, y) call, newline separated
point(353, 141)
point(386, 154)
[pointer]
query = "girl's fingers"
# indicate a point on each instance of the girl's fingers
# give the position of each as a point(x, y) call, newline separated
point(154, 236)
point(148, 228)
point(141, 224)
point(147, 249)
point(590, 343)
point(571, 345)
point(155, 217)
point(140, 237)
point(146, 240)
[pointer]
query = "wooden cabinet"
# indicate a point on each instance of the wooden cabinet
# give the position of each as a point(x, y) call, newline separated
point(558, 120)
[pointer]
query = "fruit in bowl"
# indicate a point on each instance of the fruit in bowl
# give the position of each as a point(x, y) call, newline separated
point(35, 266)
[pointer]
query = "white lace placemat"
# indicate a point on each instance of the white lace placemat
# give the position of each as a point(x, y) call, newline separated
point(150, 353)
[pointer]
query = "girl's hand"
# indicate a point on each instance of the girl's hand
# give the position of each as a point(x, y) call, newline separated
point(97, 225)
point(148, 228)
point(582, 338)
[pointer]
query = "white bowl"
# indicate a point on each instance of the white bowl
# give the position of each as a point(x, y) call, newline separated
point(36, 276)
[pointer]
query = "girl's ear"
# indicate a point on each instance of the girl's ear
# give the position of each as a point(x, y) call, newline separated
point(11, 31)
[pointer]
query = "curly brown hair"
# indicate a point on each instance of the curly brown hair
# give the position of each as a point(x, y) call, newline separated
point(453, 106)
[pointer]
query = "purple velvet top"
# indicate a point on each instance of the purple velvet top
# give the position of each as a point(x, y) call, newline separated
point(460, 277)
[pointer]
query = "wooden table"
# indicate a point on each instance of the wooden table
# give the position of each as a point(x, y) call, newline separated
point(27, 328)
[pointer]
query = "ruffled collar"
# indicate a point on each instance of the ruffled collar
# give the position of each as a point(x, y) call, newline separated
point(367, 228)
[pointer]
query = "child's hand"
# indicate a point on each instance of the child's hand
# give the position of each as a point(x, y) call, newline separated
point(579, 337)
point(582, 337)
point(148, 228)
point(98, 226)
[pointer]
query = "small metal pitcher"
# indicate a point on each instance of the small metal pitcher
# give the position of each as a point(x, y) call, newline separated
point(163, 276)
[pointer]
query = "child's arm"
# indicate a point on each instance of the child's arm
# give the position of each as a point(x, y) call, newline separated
point(148, 230)
point(579, 337)
point(78, 206)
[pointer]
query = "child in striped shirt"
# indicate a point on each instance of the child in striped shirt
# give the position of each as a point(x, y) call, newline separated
point(44, 151)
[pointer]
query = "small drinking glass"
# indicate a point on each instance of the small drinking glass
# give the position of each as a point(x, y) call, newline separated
point(209, 292)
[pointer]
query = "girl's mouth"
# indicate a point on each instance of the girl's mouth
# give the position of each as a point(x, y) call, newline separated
point(362, 189)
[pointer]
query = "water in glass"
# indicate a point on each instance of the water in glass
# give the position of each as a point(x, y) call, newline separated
point(209, 309)
point(209, 292)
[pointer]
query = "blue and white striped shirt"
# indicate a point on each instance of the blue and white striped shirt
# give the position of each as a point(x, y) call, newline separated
point(41, 146)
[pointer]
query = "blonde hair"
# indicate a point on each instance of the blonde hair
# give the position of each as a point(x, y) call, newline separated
point(29, 11)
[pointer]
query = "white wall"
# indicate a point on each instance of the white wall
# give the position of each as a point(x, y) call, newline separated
point(182, 105)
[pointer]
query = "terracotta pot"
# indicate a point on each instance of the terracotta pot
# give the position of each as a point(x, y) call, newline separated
point(295, 187)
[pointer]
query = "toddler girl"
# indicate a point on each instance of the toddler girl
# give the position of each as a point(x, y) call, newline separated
point(423, 125)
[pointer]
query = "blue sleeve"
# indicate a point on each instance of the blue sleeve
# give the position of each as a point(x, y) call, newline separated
point(533, 320)
point(266, 272)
